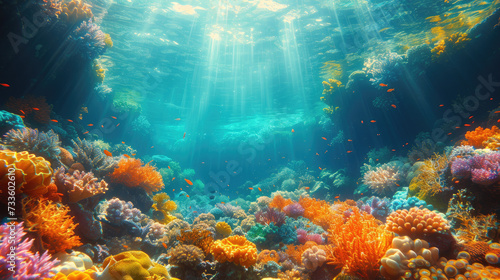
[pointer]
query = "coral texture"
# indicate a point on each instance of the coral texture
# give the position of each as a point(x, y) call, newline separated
point(31, 108)
point(79, 185)
point(416, 222)
point(235, 249)
point(313, 257)
point(132, 173)
point(479, 135)
point(223, 228)
point(186, 256)
point(41, 144)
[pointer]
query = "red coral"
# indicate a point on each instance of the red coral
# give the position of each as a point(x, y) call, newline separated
point(34, 108)
point(131, 173)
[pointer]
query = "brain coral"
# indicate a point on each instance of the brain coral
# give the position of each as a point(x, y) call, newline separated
point(416, 222)
point(131, 173)
point(236, 249)
point(32, 174)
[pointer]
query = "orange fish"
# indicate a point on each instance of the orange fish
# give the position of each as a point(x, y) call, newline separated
point(178, 119)
point(108, 153)
point(90, 124)
point(393, 150)
point(361, 121)
point(259, 189)
point(496, 112)
point(168, 166)
point(324, 138)
point(189, 182)
point(317, 154)
point(373, 121)
point(466, 124)
point(22, 112)
point(36, 109)
point(337, 196)
point(250, 188)
point(320, 168)
point(5, 85)
point(349, 152)
point(54, 120)
point(398, 185)
point(293, 130)
point(125, 155)
point(383, 85)
point(307, 188)
point(152, 147)
point(85, 132)
point(390, 90)
point(113, 117)
point(70, 120)
point(184, 135)
point(349, 140)
point(393, 105)
point(187, 195)
point(173, 190)
point(22, 117)
point(471, 117)
point(173, 178)
point(222, 202)
point(164, 245)
point(133, 154)
point(123, 142)
point(125, 246)
point(441, 105)
point(456, 182)
point(117, 125)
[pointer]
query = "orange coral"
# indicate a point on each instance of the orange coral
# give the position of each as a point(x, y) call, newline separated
point(268, 256)
point(32, 174)
point(131, 173)
point(318, 211)
point(279, 202)
point(479, 135)
point(74, 12)
point(416, 222)
point(295, 252)
point(201, 238)
point(236, 249)
point(52, 223)
point(35, 108)
point(359, 244)
point(66, 157)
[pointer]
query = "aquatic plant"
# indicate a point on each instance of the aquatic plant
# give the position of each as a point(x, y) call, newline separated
point(32, 174)
point(52, 224)
point(41, 144)
point(313, 258)
point(270, 215)
point(384, 68)
point(416, 222)
point(185, 256)
point(79, 185)
point(88, 40)
point(132, 173)
point(26, 265)
point(235, 249)
point(476, 137)
point(92, 158)
point(10, 121)
point(32, 108)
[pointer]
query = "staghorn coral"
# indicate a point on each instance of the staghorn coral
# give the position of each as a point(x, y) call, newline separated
point(132, 173)
point(32, 108)
point(52, 224)
point(271, 215)
point(41, 144)
point(360, 243)
point(416, 222)
point(24, 264)
point(79, 185)
point(236, 249)
point(223, 229)
point(186, 256)
point(382, 179)
point(479, 135)
point(313, 258)
point(92, 158)
point(32, 174)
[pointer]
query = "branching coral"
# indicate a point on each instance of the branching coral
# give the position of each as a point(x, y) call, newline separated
point(186, 256)
point(32, 174)
point(382, 179)
point(428, 182)
point(279, 202)
point(52, 223)
point(132, 173)
point(235, 249)
point(31, 107)
point(416, 222)
point(318, 211)
point(359, 244)
point(479, 135)
point(271, 215)
point(21, 264)
point(92, 158)
point(79, 185)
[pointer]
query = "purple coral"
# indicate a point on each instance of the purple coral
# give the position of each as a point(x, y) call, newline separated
point(118, 211)
point(378, 208)
point(460, 168)
point(294, 210)
point(26, 265)
point(89, 40)
point(482, 169)
point(270, 215)
point(303, 237)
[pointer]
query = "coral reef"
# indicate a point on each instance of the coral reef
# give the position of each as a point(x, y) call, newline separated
point(92, 158)
point(384, 68)
point(416, 222)
point(271, 215)
point(132, 173)
point(31, 108)
point(476, 137)
point(313, 257)
point(235, 249)
point(330, 90)
point(186, 256)
point(383, 179)
point(79, 185)
point(268, 256)
point(132, 265)
point(41, 144)
point(223, 229)
point(88, 40)
point(482, 169)
point(165, 206)
point(74, 12)
point(10, 121)
point(444, 48)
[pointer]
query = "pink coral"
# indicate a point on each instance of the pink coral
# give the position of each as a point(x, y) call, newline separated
point(79, 185)
point(313, 258)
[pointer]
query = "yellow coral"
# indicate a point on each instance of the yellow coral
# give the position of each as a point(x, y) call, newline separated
point(428, 181)
point(100, 73)
point(164, 205)
point(223, 229)
point(329, 88)
point(130, 265)
point(454, 42)
point(74, 12)
point(108, 41)
point(236, 249)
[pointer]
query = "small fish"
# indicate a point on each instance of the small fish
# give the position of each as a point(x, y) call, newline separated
point(373, 121)
point(393, 150)
point(22, 112)
point(178, 119)
point(168, 166)
point(80, 116)
point(187, 195)
point(317, 154)
point(390, 90)
point(54, 120)
point(259, 189)
point(307, 188)
point(361, 193)
point(117, 125)
point(113, 117)
point(22, 117)
point(393, 106)
point(164, 245)
point(222, 202)
point(250, 188)
point(349, 152)
point(152, 147)
point(398, 185)
point(195, 212)
point(441, 105)
point(466, 124)
point(125, 246)
point(471, 117)
point(173, 178)
point(184, 136)
point(133, 154)
point(457, 181)
point(90, 124)
point(337, 196)
point(361, 121)
point(383, 85)
point(70, 120)
point(496, 112)
point(293, 130)
point(85, 132)
point(349, 140)
point(108, 153)
point(320, 168)
point(188, 181)
point(5, 85)
point(324, 138)
point(36, 109)
point(125, 155)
